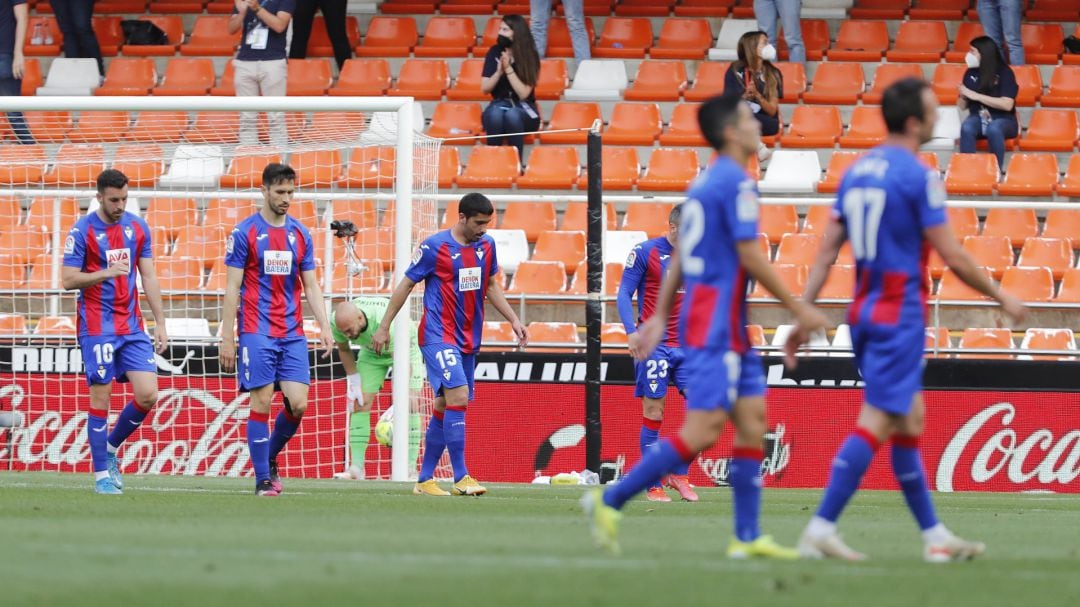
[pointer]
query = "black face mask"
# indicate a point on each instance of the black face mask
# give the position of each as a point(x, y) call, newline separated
point(503, 42)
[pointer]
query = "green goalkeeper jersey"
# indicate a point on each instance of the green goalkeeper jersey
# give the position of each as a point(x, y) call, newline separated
point(374, 308)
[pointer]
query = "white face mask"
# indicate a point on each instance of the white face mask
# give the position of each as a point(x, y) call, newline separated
point(768, 52)
point(972, 60)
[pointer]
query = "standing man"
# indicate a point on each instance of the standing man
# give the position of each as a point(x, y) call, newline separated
point(270, 260)
point(105, 254)
point(354, 323)
point(718, 253)
point(260, 64)
point(13, 20)
point(1001, 20)
point(459, 268)
point(334, 18)
point(540, 16)
point(645, 269)
point(892, 209)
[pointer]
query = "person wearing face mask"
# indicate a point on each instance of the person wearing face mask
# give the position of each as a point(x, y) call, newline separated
point(754, 78)
point(511, 70)
point(988, 94)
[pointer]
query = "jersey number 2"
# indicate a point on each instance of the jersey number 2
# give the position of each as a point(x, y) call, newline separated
point(691, 230)
point(863, 208)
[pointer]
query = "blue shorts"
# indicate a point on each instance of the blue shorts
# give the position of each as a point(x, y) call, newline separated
point(265, 360)
point(890, 360)
point(652, 375)
point(109, 357)
point(717, 378)
point(447, 367)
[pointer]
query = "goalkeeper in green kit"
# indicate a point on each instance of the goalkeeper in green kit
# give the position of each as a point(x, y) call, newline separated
point(353, 323)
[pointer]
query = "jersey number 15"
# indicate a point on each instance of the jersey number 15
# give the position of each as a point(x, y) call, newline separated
point(863, 208)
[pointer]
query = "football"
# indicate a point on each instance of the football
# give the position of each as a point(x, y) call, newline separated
point(384, 428)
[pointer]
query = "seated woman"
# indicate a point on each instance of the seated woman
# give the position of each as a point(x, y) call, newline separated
point(759, 82)
point(988, 94)
point(511, 70)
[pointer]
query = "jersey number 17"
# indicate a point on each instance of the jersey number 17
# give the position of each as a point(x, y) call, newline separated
point(863, 208)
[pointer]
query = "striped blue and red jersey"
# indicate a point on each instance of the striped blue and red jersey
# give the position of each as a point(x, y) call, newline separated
point(886, 200)
point(272, 259)
point(456, 279)
point(110, 307)
point(645, 269)
point(721, 210)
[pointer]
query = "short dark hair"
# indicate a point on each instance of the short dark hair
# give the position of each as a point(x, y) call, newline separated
point(715, 115)
point(110, 178)
point(675, 215)
point(276, 173)
point(475, 203)
point(903, 100)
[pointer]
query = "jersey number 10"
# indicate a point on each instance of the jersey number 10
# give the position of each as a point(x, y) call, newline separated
point(863, 208)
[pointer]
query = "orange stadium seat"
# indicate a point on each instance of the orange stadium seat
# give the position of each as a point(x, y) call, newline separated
point(937, 338)
point(559, 43)
point(612, 276)
point(142, 163)
point(309, 77)
point(576, 216)
point(306, 212)
point(176, 6)
point(643, 8)
point(798, 249)
point(319, 44)
point(488, 37)
point(703, 8)
point(369, 167)
point(952, 288)
point(187, 77)
point(794, 81)
point(22, 241)
point(160, 127)
point(452, 119)
point(214, 127)
point(55, 325)
point(172, 25)
point(1049, 339)
point(13, 324)
point(424, 79)
point(467, 83)
point(226, 85)
point(621, 169)
point(389, 37)
point(179, 274)
point(1056, 254)
point(553, 332)
point(449, 166)
point(1053, 10)
point(1030, 175)
point(972, 174)
point(991, 252)
point(492, 167)
point(1042, 42)
point(554, 78)
point(964, 221)
point(1028, 283)
point(633, 124)
point(1029, 84)
point(497, 331)
point(447, 37)
point(97, 126)
point(53, 31)
point(613, 334)
point(708, 82)
point(838, 163)
point(840, 283)
point(792, 276)
point(551, 167)
point(532, 217)
point(624, 38)
point(755, 334)
point(836, 84)
point(1015, 224)
point(1069, 292)
point(1064, 90)
point(888, 73)
point(76, 164)
point(226, 213)
point(571, 115)
point(986, 339)
point(539, 278)
point(945, 10)
point(867, 127)
point(206, 243)
point(41, 213)
point(32, 78)
point(556, 245)
point(965, 33)
point(648, 217)
point(371, 277)
point(683, 127)
point(10, 212)
point(245, 169)
point(21, 164)
point(1061, 223)
point(817, 219)
point(860, 41)
point(813, 127)
point(361, 212)
point(49, 126)
point(171, 214)
point(109, 34)
point(670, 169)
point(657, 81)
point(946, 80)
point(683, 39)
point(815, 34)
point(329, 126)
point(878, 9)
point(210, 37)
point(1070, 184)
point(1050, 130)
point(919, 42)
point(777, 220)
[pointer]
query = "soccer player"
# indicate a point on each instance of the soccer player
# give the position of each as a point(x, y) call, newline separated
point(353, 323)
point(645, 269)
point(104, 255)
point(459, 268)
point(892, 209)
point(269, 258)
point(717, 252)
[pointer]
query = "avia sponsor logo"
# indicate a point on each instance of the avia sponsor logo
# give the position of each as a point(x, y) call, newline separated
point(998, 450)
point(776, 460)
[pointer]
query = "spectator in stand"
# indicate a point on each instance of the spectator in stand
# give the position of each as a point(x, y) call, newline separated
point(1001, 21)
point(540, 14)
point(754, 78)
point(260, 63)
point(74, 19)
point(13, 19)
point(333, 12)
point(988, 96)
point(511, 70)
point(788, 11)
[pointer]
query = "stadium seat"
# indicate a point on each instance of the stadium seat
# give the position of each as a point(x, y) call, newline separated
point(370, 278)
point(945, 10)
point(598, 79)
point(226, 213)
point(52, 30)
point(633, 124)
point(1029, 284)
point(389, 37)
point(158, 127)
point(919, 42)
point(559, 43)
point(424, 79)
point(361, 212)
point(96, 126)
point(532, 217)
point(449, 166)
point(142, 163)
point(867, 127)
point(1050, 130)
point(43, 209)
point(1064, 89)
point(682, 39)
point(226, 84)
point(179, 274)
point(552, 332)
point(368, 167)
point(376, 244)
point(648, 217)
point(109, 34)
point(194, 166)
point(187, 78)
point(972, 174)
point(575, 216)
point(755, 334)
point(1053, 10)
point(326, 126)
point(1030, 175)
point(245, 169)
point(456, 119)
point(620, 172)
point(1070, 184)
point(1042, 42)
point(878, 9)
point(792, 276)
point(888, 73)
point(937, 338)
point(308, 77)
point(31, 79)
point(798, 249)
point(13, 324)
point(619, 243)
point(11, 213)
point(1014, 224)
point(860, 41)
point(171, 214)
point(946, 81)
point(991, 252)
point(794, 76)
point(22, 164)
point(210, 37)
point(840, 283)
point(669, 169)
point(172, 25)
point(792, 171)
point(817, 219)
point(407, 7)
point(815, 33)
point(683, 127)
point(55, 325)
point(205, 243)
point(727, 41)
point(570, 115)
point(539, 278)
point(22, 241)
point(512, 246)
point(214, 127)
point(838, 164)
point(551, 167)
point(72, 77)
point(488, 37)
point(1056, 254)
point(613, 334)
point(76, 165)
point(555, 245)
point(836, 84)
point(625, 38)
point(813, 127)
point(1048, 339)
point(175, 6)
point(447, 37)
point(643, 8)
point(986, 339)
point(657, 81)
point(612, 276)
point(497, 331)
point(491, 167)
point(467, 83)
point(1029, 84)
point(709, 81)
point(776, 220)
point(554, 78)
point(964, 221)
point(965, 33)
point(951, 288)
point(1069, 291)
point(319, 44)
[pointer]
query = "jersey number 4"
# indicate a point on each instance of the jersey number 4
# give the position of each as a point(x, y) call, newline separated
point(863, 208)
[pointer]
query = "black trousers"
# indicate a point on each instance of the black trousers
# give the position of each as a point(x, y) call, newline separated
point(333, 12)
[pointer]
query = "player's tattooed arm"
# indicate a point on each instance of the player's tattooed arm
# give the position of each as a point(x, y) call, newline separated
point(381, 337)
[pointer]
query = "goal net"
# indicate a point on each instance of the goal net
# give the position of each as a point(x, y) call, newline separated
point(195, 167)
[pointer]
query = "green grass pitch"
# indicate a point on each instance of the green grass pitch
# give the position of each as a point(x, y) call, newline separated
point(210, 541)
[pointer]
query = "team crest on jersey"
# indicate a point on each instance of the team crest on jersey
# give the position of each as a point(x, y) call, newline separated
point(469, 279)
point(652, 386)
point(446, 375)
point(101, 372)
point(292, 237)
point(115, 256)
point(631, 259)
point(128, 232)
point(69, 245)
point(479, 253)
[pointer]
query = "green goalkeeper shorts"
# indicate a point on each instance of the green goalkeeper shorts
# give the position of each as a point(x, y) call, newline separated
point(373, 369)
